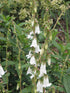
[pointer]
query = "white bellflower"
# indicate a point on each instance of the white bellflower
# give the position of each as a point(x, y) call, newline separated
point(30, 35)
point(42, 70)
point(32, 60)
point(29, 71)
point(29, 55)
point(46, 82)
point(37, 49)
point(39, 86)
point(2, 72)
point(34, 43)
point(37, 29)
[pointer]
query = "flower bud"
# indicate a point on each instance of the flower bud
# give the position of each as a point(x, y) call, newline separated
point(49, 61)
point(19, 66)
point(44, 34)
point(50, 37)
point(46, 46)
point(42, 51)
point(35, 9)
point(17, 86)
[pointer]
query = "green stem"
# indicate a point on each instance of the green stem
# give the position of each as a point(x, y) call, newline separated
point(19, 52)
point(7, 58)
point(67, 28)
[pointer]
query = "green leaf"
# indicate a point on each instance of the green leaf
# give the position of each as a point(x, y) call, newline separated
point(56, 45)
point(60, 89)
point(9, 63)
point(27, 90)
point(2, 39)
point(68, 71)
point(66, 82)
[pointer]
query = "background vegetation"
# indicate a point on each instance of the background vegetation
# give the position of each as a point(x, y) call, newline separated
point(15, 25)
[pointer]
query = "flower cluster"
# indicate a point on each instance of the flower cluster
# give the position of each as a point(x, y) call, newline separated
point(33, 62)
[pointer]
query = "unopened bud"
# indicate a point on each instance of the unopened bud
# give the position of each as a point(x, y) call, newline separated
point(49, 61)
point(50, 37)
point(46, 46)
point(19, 66)
point(35, 9)
point(17, 86)
point(42, 51)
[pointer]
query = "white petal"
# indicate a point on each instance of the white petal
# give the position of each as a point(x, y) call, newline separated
point(31, 32)
point(32, 60)
point(0, 76)
point(49, 61)
point(42, 70)
point(39, 86)
point(29, 71)
point(29, 55)
point(46, 82)
point(2, 72)
point(33, 74)
point(30, 37)
point(37, 49)
point(37, 29)
point(33, 23)
point(34, 43)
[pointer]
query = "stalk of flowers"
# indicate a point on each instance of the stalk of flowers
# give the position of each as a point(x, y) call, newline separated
point(31, 55)
point(37, 73)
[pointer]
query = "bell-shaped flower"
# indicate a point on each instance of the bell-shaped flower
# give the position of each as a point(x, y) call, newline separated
point(29, 55)
point(30, 35)
point(33, 74)
point(33, 23)
point(34, 43)
point(32, 60)
point(29, 71)
point(46, 82)
point(2, 72)
point(42, 70)
point(37, 49)
point(39, 86)
point(37, 29)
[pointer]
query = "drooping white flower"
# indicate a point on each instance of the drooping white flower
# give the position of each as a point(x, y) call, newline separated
point(39, 86)
point(33, 74)
point(34, 43)
point(29, 55)
point(2, 72)
point(29, 71)
point(37, 29)
point(49, 61)
point(46, 82)
point(42, 70)
point(33, 23)
point(30, 35)
point(37, 49)
point(32, 60)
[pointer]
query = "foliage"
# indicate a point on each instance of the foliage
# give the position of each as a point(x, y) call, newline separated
point(15, 24)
